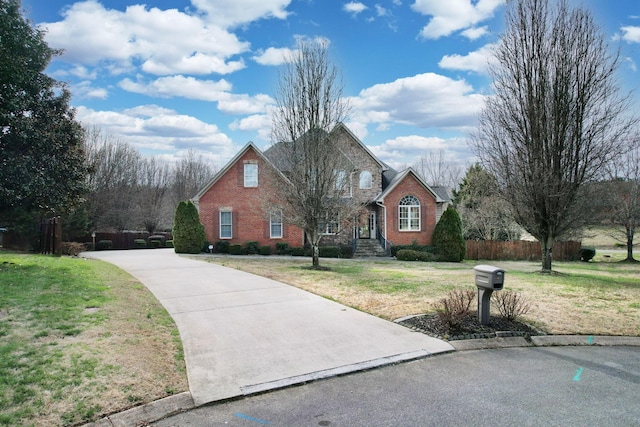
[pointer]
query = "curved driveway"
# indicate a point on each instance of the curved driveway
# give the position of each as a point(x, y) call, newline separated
point(244, 333)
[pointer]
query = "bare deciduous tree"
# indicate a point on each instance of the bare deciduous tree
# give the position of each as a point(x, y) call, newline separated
point(623, 190)
point(190, 174)
point(437, 170)
point(556, 119)
point(154, 181)
point(309, 107)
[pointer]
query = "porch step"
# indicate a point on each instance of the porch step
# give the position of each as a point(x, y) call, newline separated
point(369, 248)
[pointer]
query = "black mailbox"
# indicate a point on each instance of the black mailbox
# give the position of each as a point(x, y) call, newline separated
point(489, 277)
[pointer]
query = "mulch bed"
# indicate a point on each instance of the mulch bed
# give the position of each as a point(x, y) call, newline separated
point(469, 328)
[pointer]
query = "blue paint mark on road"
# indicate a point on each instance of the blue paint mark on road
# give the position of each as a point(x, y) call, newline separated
point(256, 420)
point(578, 374)
point(590, 340)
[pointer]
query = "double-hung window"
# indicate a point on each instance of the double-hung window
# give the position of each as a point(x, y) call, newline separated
point(329, 224)
point(365, 180)
point(250, 174)
point(276, 224)
point(409, 214)
point(226, 225)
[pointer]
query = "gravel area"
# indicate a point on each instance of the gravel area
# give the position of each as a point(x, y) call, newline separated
point(469, 328)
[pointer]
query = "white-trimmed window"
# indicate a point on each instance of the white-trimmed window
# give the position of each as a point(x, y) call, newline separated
point(226, 225)
point(409, 213)
point(365, 180)
point(329, 225)
point(250, 174)
point(275, 224)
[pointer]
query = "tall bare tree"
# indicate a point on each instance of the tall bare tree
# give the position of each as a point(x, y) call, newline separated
point(623, 190)
point(556, 119)
point(190, 174)
point(309, 107)
point(437, 170)
point(153, 185)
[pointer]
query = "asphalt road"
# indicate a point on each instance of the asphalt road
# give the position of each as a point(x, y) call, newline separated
point(549, 386)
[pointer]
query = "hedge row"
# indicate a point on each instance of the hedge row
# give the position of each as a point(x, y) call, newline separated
point(254, 248)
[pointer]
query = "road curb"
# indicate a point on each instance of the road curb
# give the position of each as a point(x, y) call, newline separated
point(163, 408)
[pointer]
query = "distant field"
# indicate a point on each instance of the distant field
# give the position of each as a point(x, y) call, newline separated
point(602, 238)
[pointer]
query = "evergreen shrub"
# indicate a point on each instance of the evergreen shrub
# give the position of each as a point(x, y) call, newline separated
point(265, 250)
point(448, 241)
point(235, 249)
point(188, 233)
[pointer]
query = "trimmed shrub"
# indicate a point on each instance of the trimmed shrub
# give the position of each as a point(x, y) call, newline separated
point(169, 243)
point(235, 249)
point(346, 251)
point(156, 241)
point(103, 245)
point(298, 251)
point(411, 255)
point(139, 243)
point(221, 247)
point(265, 250)
point(329, 251)
point(511, 305)
point(587, 254)
point(71, 248)
point(413, 247)
point(449, 244)
point(282, 248)
point(455, 307)
point(188, 232)
point(251, 248)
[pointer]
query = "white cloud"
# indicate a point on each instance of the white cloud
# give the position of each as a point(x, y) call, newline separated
point(85, 90)
point(233, 13)
point(404, 151)
point(160, 41)
point(425, 100)
point(260, 123)
point(274, 56)
point(477, 61)
point(155, 130)
point(475, 33)
point(631, 34)
point(450, 16)
point(354, 7)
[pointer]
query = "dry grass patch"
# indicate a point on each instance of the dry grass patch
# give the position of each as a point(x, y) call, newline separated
point(586, 298)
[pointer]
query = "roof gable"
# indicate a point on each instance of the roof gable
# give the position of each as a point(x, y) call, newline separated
point(401, 177)
point(249, 146)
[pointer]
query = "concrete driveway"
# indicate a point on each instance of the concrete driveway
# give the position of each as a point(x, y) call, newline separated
point(244, 334)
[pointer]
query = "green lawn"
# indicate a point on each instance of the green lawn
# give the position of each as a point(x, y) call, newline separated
point(60, 356)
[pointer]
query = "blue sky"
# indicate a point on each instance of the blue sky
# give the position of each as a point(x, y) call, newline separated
point(172, 75)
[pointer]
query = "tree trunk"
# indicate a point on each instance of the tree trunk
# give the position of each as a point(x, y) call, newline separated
point(547, 255)
point(630, 233)
point(315, 255)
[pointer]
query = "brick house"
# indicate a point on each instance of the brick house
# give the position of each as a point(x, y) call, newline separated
point(401, 208)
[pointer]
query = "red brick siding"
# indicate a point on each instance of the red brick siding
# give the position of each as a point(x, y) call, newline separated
point(410, 186)
point(250, 222)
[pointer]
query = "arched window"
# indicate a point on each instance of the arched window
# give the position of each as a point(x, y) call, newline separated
point(409, 213)
point(365, 180)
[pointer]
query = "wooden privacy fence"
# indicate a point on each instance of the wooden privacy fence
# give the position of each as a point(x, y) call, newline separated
point(51, 236)
point(520, 250)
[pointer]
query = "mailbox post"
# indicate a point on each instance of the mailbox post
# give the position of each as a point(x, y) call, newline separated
point(488, 279)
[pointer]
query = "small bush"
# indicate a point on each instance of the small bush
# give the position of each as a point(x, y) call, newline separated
point(298, 251)
point(265, 250)
point(587, 254)
point(411, 255)
point(139, 243)
point(103, 245)
point(221, 247)
point(169, 243)
point(251, 248)
point(235, 249)
point(72, 248)
point(455, 307)
point(510, 304)
point(282, 248)
point(346, 251)
point(155, 243)
point(329, 251)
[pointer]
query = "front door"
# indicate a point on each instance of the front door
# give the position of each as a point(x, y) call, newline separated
point(372, 225)
point(368, 229)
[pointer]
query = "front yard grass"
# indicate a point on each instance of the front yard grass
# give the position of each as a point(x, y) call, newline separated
point(80, 339)
point(601, 297)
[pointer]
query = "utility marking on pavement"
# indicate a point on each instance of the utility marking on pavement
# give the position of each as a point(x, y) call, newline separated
point(578, 374)
point(590, 340)
point(247, 417)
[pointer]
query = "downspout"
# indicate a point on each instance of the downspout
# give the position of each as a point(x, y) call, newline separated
point(384, 208)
